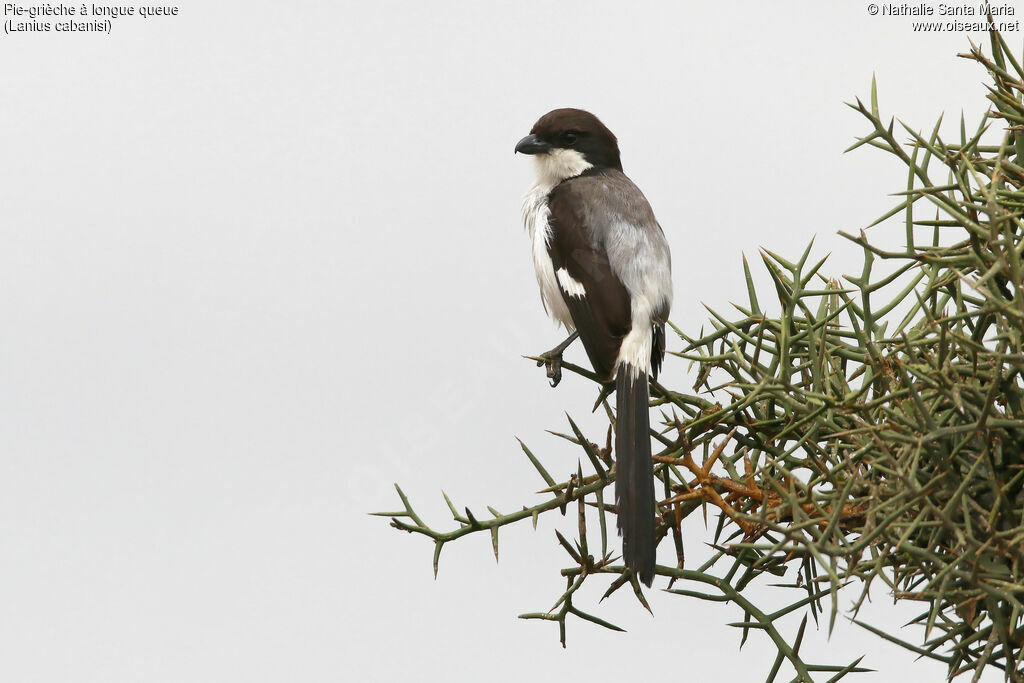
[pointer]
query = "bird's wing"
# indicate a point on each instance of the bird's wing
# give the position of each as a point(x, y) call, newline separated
point(596, 299)
point(608, 252)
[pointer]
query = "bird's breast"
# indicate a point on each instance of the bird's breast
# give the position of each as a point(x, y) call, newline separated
point(536, 216)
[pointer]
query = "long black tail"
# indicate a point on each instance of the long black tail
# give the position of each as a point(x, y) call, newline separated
point(634, 485)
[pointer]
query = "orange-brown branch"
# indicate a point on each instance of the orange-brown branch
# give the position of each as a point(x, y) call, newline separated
point(709, 487)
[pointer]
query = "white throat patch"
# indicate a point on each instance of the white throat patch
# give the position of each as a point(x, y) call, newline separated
point(557, 165)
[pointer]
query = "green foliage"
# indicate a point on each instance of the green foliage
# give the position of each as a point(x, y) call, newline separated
point(870, 432)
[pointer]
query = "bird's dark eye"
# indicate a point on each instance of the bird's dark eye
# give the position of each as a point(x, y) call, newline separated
point(570, 137)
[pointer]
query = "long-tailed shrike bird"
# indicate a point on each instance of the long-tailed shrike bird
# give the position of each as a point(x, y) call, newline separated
point(605, 273)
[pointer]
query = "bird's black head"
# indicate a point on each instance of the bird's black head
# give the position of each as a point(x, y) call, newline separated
point(571, 139)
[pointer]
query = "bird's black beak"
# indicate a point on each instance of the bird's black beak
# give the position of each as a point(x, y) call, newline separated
point(532, 144)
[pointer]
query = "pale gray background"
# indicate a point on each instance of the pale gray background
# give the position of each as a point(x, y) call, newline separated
point(264, 259)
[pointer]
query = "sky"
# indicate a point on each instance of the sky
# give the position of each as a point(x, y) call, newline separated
point(262, 260)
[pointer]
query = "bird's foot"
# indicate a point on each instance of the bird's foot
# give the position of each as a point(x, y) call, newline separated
point(552, 360)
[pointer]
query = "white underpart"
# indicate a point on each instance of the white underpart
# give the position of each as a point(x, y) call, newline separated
point(635, 350)
point(552, 168)
point(570, 285)
point(648, 279)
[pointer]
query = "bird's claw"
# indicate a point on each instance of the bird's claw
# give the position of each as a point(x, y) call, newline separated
point(553, 360)
point(553, 363)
